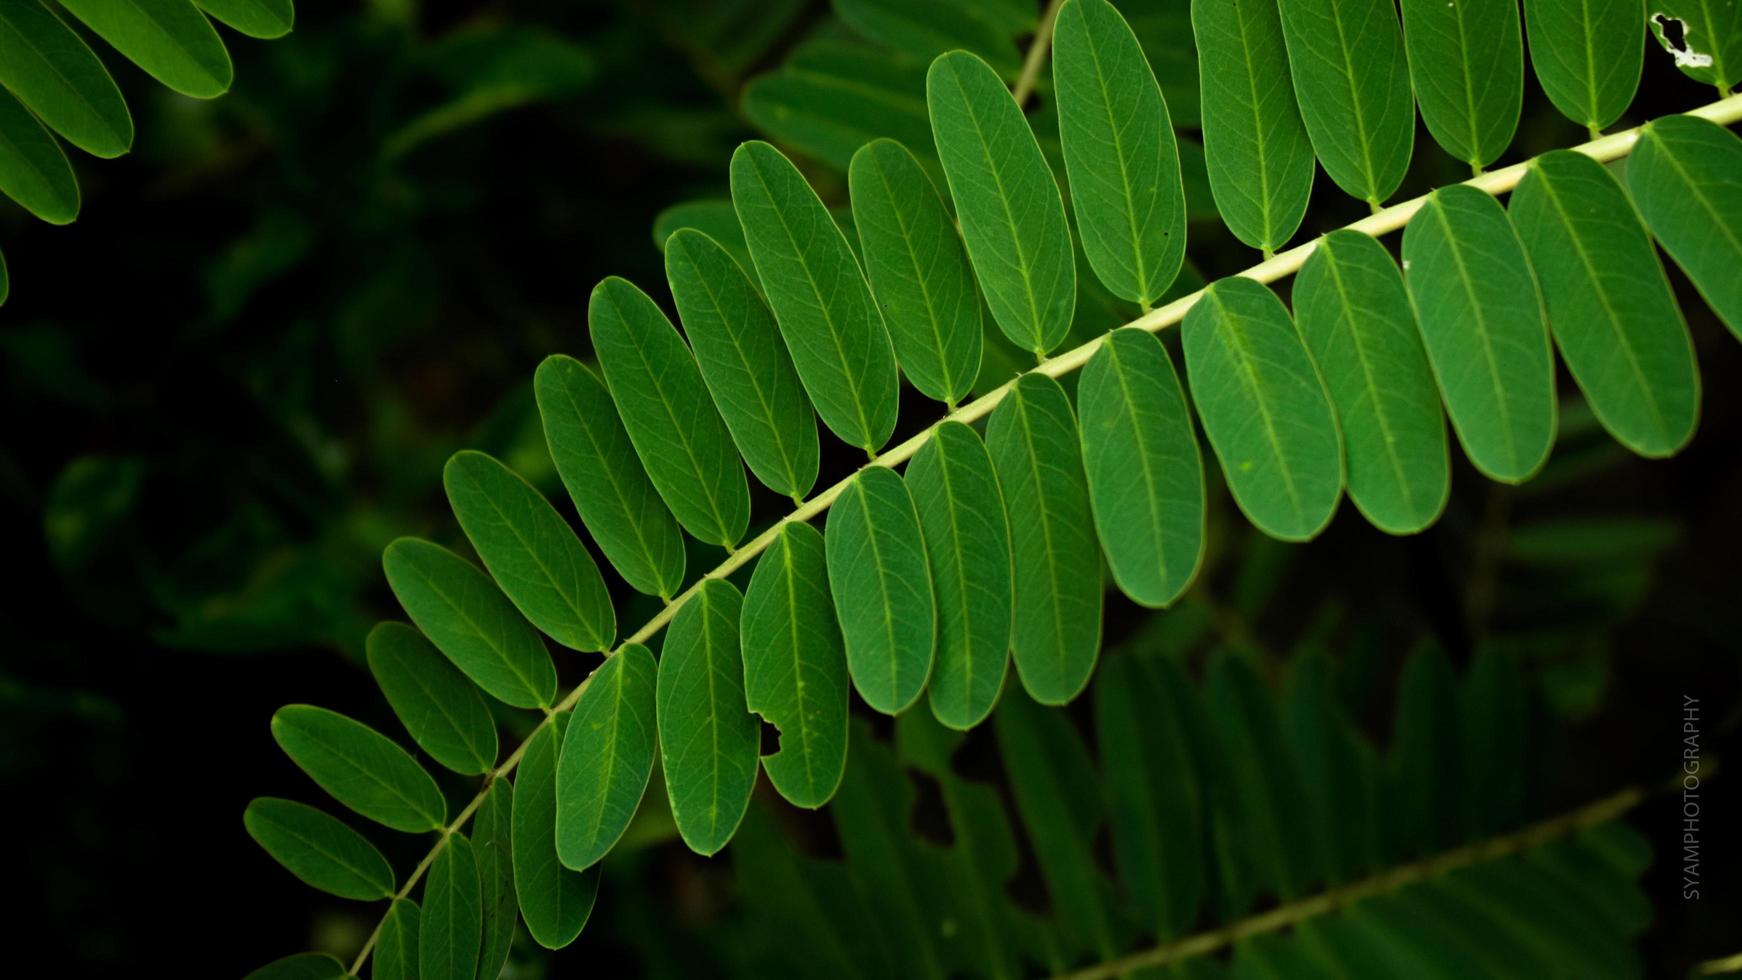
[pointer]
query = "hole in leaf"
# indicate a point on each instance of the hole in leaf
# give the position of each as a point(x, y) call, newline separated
point(1672, 31)
point(770, 737)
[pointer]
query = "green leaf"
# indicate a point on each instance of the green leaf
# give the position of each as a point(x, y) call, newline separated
point(1266, 802)
point(744, 362)
point(1481, 321)
point(1426, 759)
point(1032, 438)
point(672, 422)
point(967, 542)
point(450, 933)
point(1145, 474)
point(33, 169)
point(1012, 215)
point(1354, 313)
point(554, 901)
point(1352, 80)
point(469, 620)
point(1609, 306)
point(1338, 771)
point(531, 552)
point(882, 589)
point(1152, 789)
point(918, 270)
point(1467, 61)
point(708, 739)
point(438, 705)
point(5, 281)
point(1120, 154)
point(1683, 177)
point(51, 70)
point(319, 849)
point(1264, 409)
point(1588, 56)
point(360, 767)
point(714, 218)
point(821, 302)
point(605, 480)
point(795, 670)
point(493, 837)
point(1255, 145)
point(302, 966)
point(1711, 38)
point(171, 40)
point(607, 757)
point(396, 952)
point(1493, 716)
point(928, 28)
point(264, 19)
point(830, 98)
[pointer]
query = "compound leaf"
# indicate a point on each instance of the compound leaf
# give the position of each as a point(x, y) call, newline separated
point(360, 768)
point(554, 901)
point(170, 39)
point(1588, 56)
point(319, 849)
point(1683, 177)
point(493, 846)
point(33, 169)
point(443, 712)
point(607, 757)
point(264, 19)
point(830, 98)
point(1710, 42)
point(450, 932)
point(51, 70)
point(881, 586)
point(1467, 61)
point(396, 951)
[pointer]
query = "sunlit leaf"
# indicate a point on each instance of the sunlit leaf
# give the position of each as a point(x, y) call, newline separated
point(360, 767)
point(319, 849)
point(170, 39)
point(1466, 58)
point(1683, 177)
point(881, 586)
point(607, 757)
point(51, 70)
point(450, 930)
point(554, 901)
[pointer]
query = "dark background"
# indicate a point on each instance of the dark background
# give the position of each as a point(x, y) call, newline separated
point(236, 377)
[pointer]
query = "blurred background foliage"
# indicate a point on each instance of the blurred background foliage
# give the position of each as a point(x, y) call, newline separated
point(236, 377)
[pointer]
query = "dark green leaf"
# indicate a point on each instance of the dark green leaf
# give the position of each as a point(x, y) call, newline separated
point(918, 270)
point(441, 709)
point(607, 757)
point(1711, 38)
point(302, 966)
point(554, 901)
point(795, 670)
point(396, 951)
point(715, 218)
point(1609, 306)
point(1255, 145)
point(1032, 438)
point(1266, 801)
point(319, 849)
point(1264, 409)
point(1145, 475)
point(1587, 55)
point(830, 98)
point(56, 74)
point(171, 40)
point(531, 552)
point(360, 767)
point(1012, 215)
point(450, 932)
point(1427, 759)
point(708, 739)
point(882, 589)
point(469, 620)
point(1683, 177)
point(1493, 715)
point(672, 422)
point(967, 542)
point(1354, 313)
point(265, 19)
point(33, 170)
point(821, 302)
point(1481, 321)
point(605, 480)
point(928, 28)
point(1119, 153)
point(1467, 61)
point(493, 837)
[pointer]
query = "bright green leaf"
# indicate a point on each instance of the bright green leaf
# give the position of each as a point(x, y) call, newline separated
point(51, 70)
point(1481, 321)
point(439, 707)
point(469, 620)
point(1119, 153)
point(360, 767)
point(493, 846)
point(1012, 215)
point(882, 590)
point(1255, 145)
point(33, 169)
point(302, 966)
point(1683, 177)
point(1467, 61)
point(554, 901)
point(744, 362)
point(1354, 313)
point(821, 302)
point(170, 39)
point(1145, 474)
point(708, 739)
point(1352, 80)
point(396, 951)
point(967, 542)
point(1032, 437)
point(264, 19)
point(607, 757)
point(319, 849)
point(1588, 56)
point(918, 270)
point(928, 28)
point(672, 422)
point(829, 98)
point(1609, 306)
point(1264, 408)
point(604, 477)
point(451, 929)
point(531, 552)
point(795, 670)
point(1710, 38)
